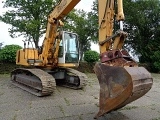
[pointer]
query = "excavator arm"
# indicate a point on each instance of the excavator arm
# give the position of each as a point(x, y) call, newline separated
point(121, 80)
point(50, 56)
point(106, 22)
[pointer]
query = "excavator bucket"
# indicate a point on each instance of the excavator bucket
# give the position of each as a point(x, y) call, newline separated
point(120, 86)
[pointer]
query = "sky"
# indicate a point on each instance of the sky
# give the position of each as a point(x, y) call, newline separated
point(6, 39)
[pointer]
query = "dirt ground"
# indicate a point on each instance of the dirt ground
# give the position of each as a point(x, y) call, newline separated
point(68, 104)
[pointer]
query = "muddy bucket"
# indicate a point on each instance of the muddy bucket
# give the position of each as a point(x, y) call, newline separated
point(120, 86)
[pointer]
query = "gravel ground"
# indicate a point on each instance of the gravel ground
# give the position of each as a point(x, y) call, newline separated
point(68, 104)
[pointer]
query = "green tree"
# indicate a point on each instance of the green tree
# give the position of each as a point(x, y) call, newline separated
point(143, 25)
point(77, 21)
point(91, 56)
point(93, 21)
point(1, 44)
point(27, 18)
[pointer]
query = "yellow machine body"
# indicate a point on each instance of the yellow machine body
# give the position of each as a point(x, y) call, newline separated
point(23, 55)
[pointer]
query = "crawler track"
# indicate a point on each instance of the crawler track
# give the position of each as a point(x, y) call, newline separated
point(35, 81)
point(81, 76)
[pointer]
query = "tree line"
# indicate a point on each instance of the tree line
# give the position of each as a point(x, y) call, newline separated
point(142, 22)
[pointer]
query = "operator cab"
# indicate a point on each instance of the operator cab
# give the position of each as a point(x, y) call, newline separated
point(69, 48)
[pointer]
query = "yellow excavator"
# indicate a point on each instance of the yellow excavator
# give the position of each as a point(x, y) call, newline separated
point(52, 63)
point(121, 80)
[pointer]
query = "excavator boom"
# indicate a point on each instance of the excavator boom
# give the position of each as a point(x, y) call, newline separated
point(63, 8)
point(121, 80)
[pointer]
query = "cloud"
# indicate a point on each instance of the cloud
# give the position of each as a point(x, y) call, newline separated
point(85, 5)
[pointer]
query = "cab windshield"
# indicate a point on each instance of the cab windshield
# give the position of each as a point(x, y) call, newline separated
point(71, 48)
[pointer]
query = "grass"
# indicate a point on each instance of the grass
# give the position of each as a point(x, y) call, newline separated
point(62, 110)
point(30, 105)
point(80, 118)
point(15, 117)
point(1, 93)
point(67, 101)
point(156, 77)
point(156, 118)
point(95, 97)
point(129, 107)
point(5, 75)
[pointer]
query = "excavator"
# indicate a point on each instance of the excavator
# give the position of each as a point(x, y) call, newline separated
point(52, 63)
point(120, 78)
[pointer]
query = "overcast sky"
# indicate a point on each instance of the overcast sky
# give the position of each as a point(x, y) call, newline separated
point(4, 35)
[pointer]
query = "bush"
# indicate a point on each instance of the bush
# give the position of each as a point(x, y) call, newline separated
point(91, 56)
point(152, 63)
point(155, 61)
point(8, 53)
